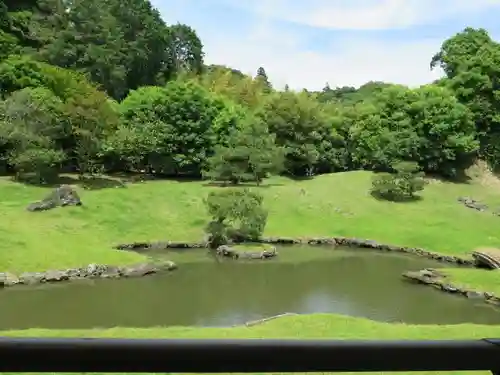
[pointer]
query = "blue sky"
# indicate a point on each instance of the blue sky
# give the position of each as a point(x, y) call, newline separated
point(344, 42)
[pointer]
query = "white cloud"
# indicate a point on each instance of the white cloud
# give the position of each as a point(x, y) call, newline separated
point(355, 62)
point(362, 14)
point(289, 59)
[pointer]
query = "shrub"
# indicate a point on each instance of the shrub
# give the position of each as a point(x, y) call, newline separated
point(237, 214)
point(402, 184)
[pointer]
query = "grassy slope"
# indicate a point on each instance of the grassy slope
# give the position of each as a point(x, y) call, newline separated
point(174, 210)
point(321, 326)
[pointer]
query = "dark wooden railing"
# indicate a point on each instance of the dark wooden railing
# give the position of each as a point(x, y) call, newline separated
point(244, 356)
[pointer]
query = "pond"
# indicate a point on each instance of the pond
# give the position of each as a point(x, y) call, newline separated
point(206, 292)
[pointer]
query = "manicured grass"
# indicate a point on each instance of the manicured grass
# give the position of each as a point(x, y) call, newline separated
point(477, 279)
point(320, 326)
point(337, 204)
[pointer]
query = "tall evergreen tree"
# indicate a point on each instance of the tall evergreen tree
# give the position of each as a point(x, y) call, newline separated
point(262, 78)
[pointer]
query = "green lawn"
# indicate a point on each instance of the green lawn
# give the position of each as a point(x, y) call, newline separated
point(320, 326)
point(481, 280)
point(329, 205)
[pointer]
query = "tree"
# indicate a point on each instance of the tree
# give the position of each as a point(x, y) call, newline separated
point(300, 125)
point(27, 26)
point(237, 214)
point(184, 122)
point(185, 48)
point(249, 155)
point(88, 113)
point(91, 40)
point(32, 129)
point(471, 61)
point(263, 81)
point(234, 85)
point(18, 72)
point(402, 184)
point(427, 125)
point(122, 45)
point(446, 130)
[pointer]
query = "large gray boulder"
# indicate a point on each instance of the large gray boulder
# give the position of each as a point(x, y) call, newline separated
point(62, 196)
point(229, 252)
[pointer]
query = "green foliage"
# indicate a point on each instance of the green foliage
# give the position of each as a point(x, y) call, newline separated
point(172, 115)
point(175, 127)
point(236, 214)
point(300, 126)
point(471, 61)
point(32, 128)
point(249, 155)
point(427, 125)
point(402, 184)
point(18, 72)
point(84, 114)
point(185, 48)
point(263, 81)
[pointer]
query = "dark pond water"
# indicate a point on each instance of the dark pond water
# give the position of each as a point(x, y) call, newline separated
point(208, 293)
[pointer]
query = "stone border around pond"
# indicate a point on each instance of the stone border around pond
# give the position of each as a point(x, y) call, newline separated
point(437, 279)
point(92, 271)
point(317, 241)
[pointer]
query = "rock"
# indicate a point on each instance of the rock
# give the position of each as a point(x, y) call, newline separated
point(62, 196)
point(95, 270)
point(8, 279)
point(227, 251)
point(494, 300)
point(75, 273)
point(111, 272)
point(91, 271)
point(41, 206)
point(167, 265)
point(449, 288)
point(141, 269)
point(474, 295)
point(426, 276)
point(472, 203)
point(30, 278)
point(54, 275)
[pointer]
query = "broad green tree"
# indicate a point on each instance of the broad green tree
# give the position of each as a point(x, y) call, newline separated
point(236, 214)
point(179, 123)
point(250, 154)
point(300, 125)
point(427, 125)
point(471, 62)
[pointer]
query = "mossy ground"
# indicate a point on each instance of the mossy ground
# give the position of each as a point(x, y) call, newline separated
point(329, 205)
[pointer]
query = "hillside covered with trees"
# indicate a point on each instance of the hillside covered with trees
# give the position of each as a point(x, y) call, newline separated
point(104, 86)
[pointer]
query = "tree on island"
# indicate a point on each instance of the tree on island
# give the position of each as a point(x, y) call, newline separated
point(237, 215)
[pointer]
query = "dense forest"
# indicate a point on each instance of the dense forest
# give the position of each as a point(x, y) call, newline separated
point(106, 86)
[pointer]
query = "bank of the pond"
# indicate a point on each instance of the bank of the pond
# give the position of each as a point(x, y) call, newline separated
point(315, 241)
point(317, 326)
point(478, 284)
point(92, 271)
